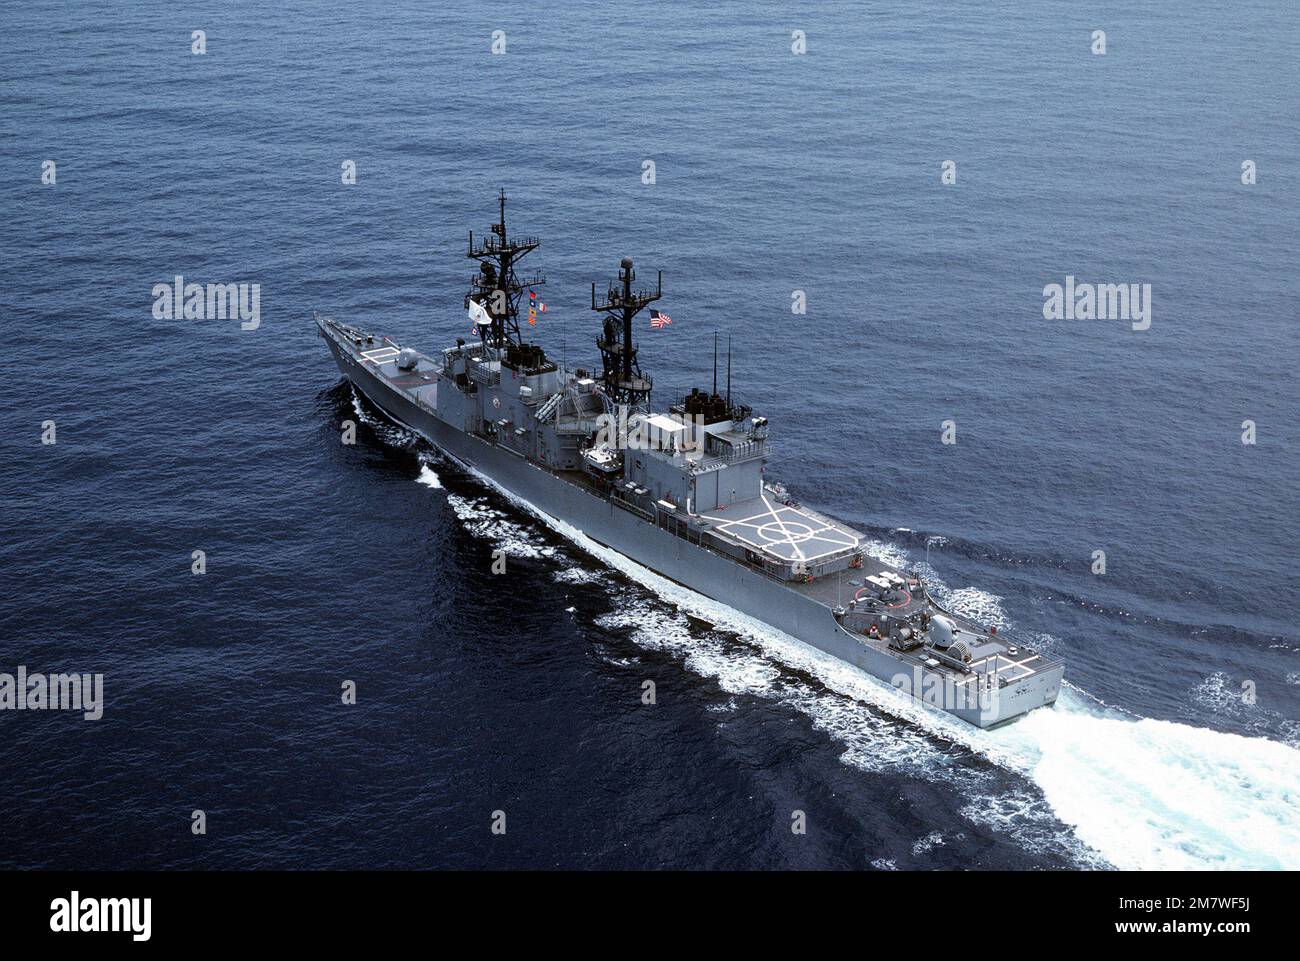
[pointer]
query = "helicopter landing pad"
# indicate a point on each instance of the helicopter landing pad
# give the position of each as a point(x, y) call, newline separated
point(782, 531)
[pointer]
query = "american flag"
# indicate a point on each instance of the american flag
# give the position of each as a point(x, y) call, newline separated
point(659, 321)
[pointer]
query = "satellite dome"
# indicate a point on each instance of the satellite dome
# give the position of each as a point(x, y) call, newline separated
point(406, 360)
point(627, 261)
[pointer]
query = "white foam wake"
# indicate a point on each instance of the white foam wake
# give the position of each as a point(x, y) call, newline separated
point(388, 430)
point(1160, 795)
point(1142, 793)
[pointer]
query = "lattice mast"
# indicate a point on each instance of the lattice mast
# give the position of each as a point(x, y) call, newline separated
point(496, 287)
point(625, 382)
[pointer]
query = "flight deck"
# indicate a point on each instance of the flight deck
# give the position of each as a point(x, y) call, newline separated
point(782, 532)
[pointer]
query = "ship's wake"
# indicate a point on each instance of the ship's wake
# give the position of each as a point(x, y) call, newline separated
point(1162, 795)
point(1134, 792)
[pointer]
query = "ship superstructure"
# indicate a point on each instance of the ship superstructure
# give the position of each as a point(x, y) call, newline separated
point(682, 491)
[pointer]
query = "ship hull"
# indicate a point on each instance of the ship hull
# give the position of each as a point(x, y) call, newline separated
point(703, 571)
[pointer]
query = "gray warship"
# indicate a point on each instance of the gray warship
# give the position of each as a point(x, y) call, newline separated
point(682, 492)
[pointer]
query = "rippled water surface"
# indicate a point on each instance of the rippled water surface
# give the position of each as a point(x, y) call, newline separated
point(774, 173)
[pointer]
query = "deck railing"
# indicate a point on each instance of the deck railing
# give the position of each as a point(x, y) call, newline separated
point(738, 452)
point(484, 374)
point(673, 525)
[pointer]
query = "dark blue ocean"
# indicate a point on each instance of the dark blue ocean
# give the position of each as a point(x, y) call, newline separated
point(1176, 743)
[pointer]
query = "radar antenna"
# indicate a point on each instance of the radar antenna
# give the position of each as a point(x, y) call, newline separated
point(625, 383)
point(496, 287)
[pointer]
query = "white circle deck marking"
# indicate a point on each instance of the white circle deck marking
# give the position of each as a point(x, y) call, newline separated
point(787, 534)
point(778, 530)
